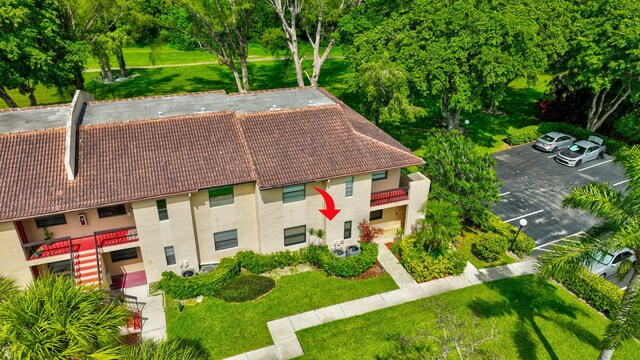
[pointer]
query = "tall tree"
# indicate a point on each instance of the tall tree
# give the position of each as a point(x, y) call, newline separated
point(56, 319)
point(619, 212)
point(318, 20)
point(33, 50)
point(604, 56)
point(441, 224)
point(222, 28)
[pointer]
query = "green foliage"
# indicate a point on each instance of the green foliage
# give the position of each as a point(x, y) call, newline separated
point(522, 245)
point(491, 223)
point(245, 288)
point(629, 126)
point(460, 173)
point(8, 288)
point(440, 226)
point(349, 266)
point(56, 319)
point(203, 284)
point(261, 263)
point(598, 292)
point(424, 266)
point(522, 135)
point(491, 246)
point(171, 349)
point(367, 231)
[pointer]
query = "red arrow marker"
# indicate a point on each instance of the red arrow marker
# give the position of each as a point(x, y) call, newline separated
point(330, 212)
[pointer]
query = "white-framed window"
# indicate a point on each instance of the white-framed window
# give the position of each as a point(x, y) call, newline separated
point(347, 230)
point(170, 255)
point(295, 235)
point(293, 193)
point(225, 240)
point(221, 196)
point(348, 189)
point(163, 213)
point(379, 175)
point(52, 220)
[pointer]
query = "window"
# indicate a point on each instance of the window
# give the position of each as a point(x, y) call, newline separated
point(51, 220)
point(348, 190)
point(379, 175)
point(170, 255)
point(375, 215)
point(295, 235)
point(225, 239)
point(221, 196)
point(109, 211)
point(347, 230)
point(293, 193)
point(126, 254)
point(622, 256)
point(60, 267)
point(163, 214)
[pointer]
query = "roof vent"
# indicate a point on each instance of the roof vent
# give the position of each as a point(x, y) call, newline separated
point(202, 109)
point(274, 107)
point(311, 103)
point(160, 114)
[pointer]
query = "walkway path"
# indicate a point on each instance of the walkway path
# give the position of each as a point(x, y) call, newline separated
point(394, 268)
point(283, 331)
point(154, 325)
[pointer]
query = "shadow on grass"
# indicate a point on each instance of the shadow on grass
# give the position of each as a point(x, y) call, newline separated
point(530, 300)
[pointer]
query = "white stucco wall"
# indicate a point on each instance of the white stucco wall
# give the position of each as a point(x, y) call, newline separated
point(391, 182)
point(12, 260)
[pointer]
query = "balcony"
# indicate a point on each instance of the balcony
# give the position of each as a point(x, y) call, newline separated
point(65, 245)
point(390, 196)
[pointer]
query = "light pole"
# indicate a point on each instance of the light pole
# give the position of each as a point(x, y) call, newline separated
point(523, 223)
point(466, 127)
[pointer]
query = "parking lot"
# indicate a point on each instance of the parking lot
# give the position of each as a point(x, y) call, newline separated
point(534, 186)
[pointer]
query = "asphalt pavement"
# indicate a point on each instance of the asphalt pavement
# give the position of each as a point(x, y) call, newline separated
point(534, 186)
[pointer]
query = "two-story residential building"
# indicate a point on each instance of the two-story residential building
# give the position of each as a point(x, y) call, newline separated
point(120, 191)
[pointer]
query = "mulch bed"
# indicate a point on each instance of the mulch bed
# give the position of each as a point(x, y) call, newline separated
point(375, 271)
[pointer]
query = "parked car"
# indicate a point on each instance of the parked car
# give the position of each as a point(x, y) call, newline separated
point(554, 141)
point(582, 151)
point(606, 264)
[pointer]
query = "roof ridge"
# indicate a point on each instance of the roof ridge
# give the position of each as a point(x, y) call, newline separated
point(269, 90)
point(157, 119)
point(245, 147)
point(410, 153)
point(157, 96)
point(32, 131)
point(288, 110)
point(35, 107)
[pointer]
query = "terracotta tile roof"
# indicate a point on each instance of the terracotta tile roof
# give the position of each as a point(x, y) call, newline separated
point(301, 145)
point(128, 161)
point(120, 162)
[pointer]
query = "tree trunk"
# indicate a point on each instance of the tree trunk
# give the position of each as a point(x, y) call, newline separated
point(121, 63)
point(290, 31)
point(78, 79)
point(245, 73)
point(606, 354)
point(452, 116)
point(239, 82)
point(598, 105)
point(7, 98)
point(32, 99)
point(297, 61)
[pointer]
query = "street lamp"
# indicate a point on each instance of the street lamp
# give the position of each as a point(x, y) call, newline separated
point(466, 127)
point(523, 223)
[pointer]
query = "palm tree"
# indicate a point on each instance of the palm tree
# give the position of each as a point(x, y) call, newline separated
point(442, 222)
point(164, 350)
point(56, 319)
point(619, 212)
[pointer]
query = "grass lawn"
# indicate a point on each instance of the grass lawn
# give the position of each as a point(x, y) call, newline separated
point(177, 79)
point(165, 55)
point(227, 329)
point(534, 321)
point(470, 237)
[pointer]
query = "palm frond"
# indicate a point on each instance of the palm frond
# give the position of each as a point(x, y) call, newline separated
point(570, 257)
point(623, 269)
point(627, 320)
point(629, 158)
point(599, 200)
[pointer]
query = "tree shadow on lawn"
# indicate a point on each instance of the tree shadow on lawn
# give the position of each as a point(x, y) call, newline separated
point(529, 300)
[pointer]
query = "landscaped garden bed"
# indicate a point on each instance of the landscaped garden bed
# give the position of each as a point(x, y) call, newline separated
point(533, 320)
point(225, 329)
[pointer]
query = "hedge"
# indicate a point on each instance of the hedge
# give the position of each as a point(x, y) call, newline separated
point(491, 223)
point(596, 291)
point(491, 246)
point(209, 283)
point(424, 267)
point(532, 132)
point(245, 287)
point(203, 284)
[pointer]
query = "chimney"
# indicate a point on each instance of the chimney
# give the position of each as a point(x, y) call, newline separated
point(71, 136)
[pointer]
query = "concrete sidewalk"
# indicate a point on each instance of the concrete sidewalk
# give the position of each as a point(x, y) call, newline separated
point(394, 268)
point(283, 331)
point(154, 325)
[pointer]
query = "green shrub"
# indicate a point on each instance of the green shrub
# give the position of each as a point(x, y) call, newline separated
point(522, 135)
point(424, 267)
point(596, 291)
point(491, 246)
point(261, 263)
point(350, 266)
point(523, 245)
point(202, 284)
point(245, 288)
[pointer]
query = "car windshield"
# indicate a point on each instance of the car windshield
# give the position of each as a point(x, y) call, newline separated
point(577, 149)
point(548, 138)
point(604, 258)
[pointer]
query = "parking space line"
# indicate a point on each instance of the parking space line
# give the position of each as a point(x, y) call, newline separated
point(621, 182)
point(543, 249)
point(598, 164)
point(523, 216)
point(566, 238)
point(509, 192)
point(552, 156)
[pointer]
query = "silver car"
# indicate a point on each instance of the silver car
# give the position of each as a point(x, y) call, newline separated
point(606, 264)
point(582, 151)
point(554, 141)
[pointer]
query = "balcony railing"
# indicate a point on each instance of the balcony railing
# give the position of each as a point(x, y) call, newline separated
point(390, 196)
point(66, 245)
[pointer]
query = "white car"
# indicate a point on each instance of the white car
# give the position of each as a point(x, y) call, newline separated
point(606, 264)
point(582, 151)
point(554, 141)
